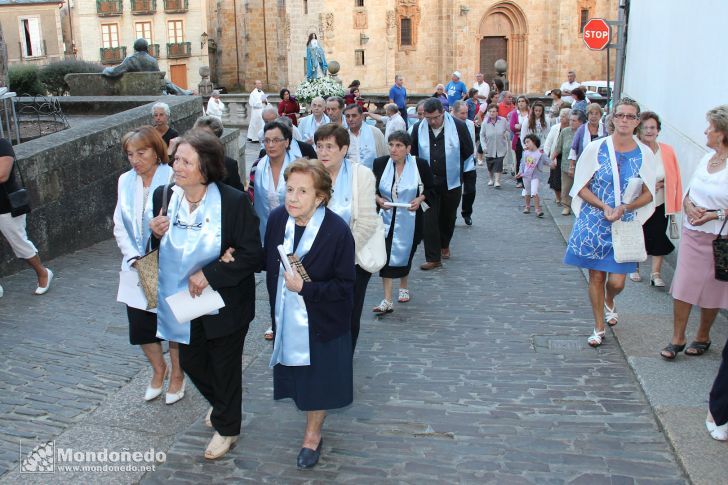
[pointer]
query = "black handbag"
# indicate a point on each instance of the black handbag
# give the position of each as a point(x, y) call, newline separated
point(720, 255)
point(20, 198)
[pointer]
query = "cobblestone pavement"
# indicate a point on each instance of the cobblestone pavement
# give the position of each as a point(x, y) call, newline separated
point(484, 377)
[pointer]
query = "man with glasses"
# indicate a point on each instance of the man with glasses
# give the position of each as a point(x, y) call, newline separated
point(445, 142)
point(335, 110)
point(366, 141)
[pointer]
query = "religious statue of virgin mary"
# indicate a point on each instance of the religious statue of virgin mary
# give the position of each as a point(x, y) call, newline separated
point(315, 58)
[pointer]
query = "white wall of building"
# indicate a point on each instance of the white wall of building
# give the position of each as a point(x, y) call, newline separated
point(676, 67)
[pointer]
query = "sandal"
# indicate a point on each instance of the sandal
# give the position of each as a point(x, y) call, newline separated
point(269, 335)
point(656, 280)
point(671, 351)
point(611, 314)
point(404, 295)
point(596, 338)
point(698, 348)
point(636, 277)
point(719, 433)
point(527, 210)
point(384, 307)
point(540, 214)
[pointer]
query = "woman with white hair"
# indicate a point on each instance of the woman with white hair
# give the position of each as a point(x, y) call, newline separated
point(160, 121)
point(215, 106)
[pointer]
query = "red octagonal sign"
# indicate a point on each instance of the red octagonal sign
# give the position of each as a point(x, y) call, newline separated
point(596, 34)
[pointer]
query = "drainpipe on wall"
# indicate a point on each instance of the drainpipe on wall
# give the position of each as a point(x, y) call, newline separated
point(623, 19)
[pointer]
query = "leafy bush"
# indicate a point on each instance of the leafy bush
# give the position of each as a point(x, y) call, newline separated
point(23, 79)
point(52, 75)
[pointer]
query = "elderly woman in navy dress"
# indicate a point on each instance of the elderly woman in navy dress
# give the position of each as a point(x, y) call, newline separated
point(312, 353)
point(596, 207)
point(401, 178)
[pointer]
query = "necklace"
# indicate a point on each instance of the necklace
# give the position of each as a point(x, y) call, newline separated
point(717, 159)
point(194, 204)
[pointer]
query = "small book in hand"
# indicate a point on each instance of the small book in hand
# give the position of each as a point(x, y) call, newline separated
point(298, 266)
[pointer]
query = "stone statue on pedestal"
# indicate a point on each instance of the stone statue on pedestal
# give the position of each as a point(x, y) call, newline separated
point(141, 61)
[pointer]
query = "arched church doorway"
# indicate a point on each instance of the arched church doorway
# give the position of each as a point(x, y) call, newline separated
point(503, 35)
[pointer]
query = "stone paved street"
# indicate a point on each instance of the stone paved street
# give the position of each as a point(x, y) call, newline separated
point(484, 377)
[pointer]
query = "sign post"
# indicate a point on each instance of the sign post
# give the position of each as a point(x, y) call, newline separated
point(597, 35)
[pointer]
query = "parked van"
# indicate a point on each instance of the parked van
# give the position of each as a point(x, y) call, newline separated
point(597, 87)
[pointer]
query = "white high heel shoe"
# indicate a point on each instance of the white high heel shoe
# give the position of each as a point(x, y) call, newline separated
point(154, 392)
point(173, 397)
point(719, 433)
point(42, 290)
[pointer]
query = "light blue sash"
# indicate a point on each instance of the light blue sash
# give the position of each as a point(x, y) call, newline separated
point(182, 252)
point(130, 201)
point(307, 125)
point(404, 223)
point(469, 164)
point(341, 199)
point(268, 197)
point(291, 343)
point(367, 146)
point(294, 150)
point(452, 149)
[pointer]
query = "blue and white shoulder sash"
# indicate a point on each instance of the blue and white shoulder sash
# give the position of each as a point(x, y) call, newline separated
point(291, 346)
point(452, 149)
point(404, 221)
point(341, 199)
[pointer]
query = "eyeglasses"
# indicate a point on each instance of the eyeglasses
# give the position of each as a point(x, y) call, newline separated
point(273, 141)
point(183, 225)
point(625, 116)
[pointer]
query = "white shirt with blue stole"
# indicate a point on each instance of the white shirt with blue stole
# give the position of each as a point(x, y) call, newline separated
point(308, 126)
point(193, 241)
point(267, 194)
point(131, 225)
point(363, 147)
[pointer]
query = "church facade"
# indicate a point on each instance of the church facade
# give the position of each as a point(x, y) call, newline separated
point(423, 40)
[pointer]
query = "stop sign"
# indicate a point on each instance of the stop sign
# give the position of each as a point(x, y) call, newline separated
point(596, 34)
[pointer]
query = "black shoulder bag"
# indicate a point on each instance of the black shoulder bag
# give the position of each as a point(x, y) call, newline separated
point(720, 255)
point(20, 198)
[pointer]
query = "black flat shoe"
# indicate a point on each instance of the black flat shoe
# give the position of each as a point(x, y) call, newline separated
point(307, 458)
point(468, 220)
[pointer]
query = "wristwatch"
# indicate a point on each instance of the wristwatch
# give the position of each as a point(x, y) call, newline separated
point(721, 214)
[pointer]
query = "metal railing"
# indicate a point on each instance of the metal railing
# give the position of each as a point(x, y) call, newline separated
point(112, 55)
point(176, 6)
point(109, 8)
point(175, 50)
point(143, 7)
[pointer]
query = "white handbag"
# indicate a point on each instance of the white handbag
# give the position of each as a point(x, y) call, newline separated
point(372, 256)
point(628, 239)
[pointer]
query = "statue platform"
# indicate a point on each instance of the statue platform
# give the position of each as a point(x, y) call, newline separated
point(129, 84)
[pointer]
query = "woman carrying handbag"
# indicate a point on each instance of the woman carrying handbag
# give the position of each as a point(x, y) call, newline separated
point(603, 173)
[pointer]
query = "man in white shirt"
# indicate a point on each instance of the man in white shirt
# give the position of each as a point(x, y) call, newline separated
point(393, 120)
point(309, 124)
point(568, 86)
point(257, 102)
point(483, 90)
point(335, 110)
point(366, 141)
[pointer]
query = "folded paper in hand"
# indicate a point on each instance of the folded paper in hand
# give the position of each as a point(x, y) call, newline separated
point(186, 308)
point(632, 191)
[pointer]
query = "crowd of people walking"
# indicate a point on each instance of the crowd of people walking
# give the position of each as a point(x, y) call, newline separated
point(331, 200)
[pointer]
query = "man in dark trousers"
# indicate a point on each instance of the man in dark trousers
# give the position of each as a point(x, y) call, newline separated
point(445, 142)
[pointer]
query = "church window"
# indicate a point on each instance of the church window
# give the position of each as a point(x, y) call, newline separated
point(175, 32)
point(31, 38)
point(405, 31)
point(358, 3)
point(109, 36)
point(144, 31)
point(305, 7)
point(359, 57)
point(583, 19)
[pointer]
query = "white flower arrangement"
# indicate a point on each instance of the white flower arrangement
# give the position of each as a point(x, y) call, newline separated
point(311, 88)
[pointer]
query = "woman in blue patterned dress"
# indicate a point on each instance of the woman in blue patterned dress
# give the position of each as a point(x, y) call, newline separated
point(590, 243)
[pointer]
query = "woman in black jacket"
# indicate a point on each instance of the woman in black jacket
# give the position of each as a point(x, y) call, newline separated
point(204, 221)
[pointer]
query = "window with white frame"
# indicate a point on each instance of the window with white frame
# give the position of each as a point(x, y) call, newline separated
point(109, 35)
point(175, 32)
point(31, 38)
point(143, 30)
